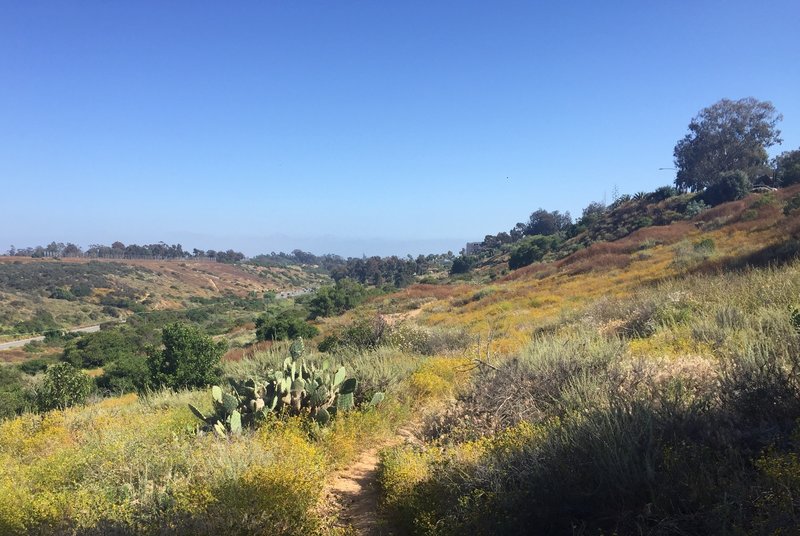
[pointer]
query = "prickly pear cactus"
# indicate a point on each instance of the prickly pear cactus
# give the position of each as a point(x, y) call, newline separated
point(297, 388)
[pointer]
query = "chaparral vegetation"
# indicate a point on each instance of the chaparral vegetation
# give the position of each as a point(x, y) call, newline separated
point(634, 371)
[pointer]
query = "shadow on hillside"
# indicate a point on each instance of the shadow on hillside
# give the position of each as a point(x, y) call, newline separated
point(774, 255)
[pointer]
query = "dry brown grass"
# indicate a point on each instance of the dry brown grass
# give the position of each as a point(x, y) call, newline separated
point(237, 354)
point(663, 234)
point(440, 292)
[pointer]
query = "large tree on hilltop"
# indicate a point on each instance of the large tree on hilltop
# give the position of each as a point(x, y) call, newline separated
point(727, 136)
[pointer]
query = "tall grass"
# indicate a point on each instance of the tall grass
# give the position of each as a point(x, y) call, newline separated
point(581, 434)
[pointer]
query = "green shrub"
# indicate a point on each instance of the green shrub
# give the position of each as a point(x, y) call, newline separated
point(60, 293)
point(730, 186)
point(126, 374)
point(63, 386)
point(335, 300)
point(189, 358)
point(34, 366)
point(662, 193)
point(12, 394)
point(791, 205)
point(92, 350)
point(462, 265)
point(693, 208)
point(284, 325)
point(532, 249)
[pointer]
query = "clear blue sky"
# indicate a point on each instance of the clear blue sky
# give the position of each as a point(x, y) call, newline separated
point(358, 127)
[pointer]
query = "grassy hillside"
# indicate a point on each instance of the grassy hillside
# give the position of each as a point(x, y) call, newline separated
point(41, 294)
point(649, 385)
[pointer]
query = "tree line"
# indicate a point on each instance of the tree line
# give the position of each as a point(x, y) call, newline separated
point(118, 250)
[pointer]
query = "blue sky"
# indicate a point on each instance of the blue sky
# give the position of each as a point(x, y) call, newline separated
point(358, 127)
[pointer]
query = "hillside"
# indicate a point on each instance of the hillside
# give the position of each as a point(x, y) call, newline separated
point(41, 294)
point(646, 385)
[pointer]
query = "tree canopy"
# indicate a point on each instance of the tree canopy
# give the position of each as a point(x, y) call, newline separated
point(189, 358)
point(787, 168)
point(727, 136)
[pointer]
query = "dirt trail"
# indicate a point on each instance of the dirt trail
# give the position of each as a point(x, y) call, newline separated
point(355, 490)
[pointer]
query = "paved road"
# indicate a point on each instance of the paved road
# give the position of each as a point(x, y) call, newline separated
point(23, 342)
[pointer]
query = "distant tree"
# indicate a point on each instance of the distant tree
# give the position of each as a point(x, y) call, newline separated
point(229, 256)
point(532, 249)
point(592, 213)
point(71, 250)
point(334, 300)
point(284, 325)
point(462, 265)
point(730, 186)
point(663, 192)
point(727, 136)
point(517, 232)
point(542, 222)
point(787, 168)
point(189, 358)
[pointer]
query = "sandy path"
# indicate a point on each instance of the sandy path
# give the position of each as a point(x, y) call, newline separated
point(356, 493)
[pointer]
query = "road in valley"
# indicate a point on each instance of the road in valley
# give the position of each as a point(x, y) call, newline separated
point(91, 329)
point(23, 342)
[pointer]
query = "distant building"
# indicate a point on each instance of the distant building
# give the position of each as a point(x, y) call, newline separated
point(473, 248)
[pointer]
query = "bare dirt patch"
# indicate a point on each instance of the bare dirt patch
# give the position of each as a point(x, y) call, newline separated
point(355, 493)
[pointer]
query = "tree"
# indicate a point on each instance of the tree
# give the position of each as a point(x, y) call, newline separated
point(727, 136)
point(462, 265)
point(592, 213)
point(287, 324)
point(787, 168)
point(547, 223)
point(189, 358)
point(63, 386)
point(731, 186)
point(532, 249)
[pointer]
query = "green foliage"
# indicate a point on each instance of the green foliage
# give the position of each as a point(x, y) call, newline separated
point(284, 324)
point(378, 272)
point(63, 386)
point(542, 222)
point(34, 366)
point(298, 388)
point(791, 205)
point(787, 168)
point(128, 373)
point(92, 350)
point(34, 276)
point(662, 193)
point(13, 398)
point(335, 300)
point(462, 265)
point(726, 137)
point(42, 321)
point(80, 290)
point(189, 358)
point(61, 293)
point(730, 186)
point(360, 335)
point(694, 207)
point(532, 249)
point(705, 246)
